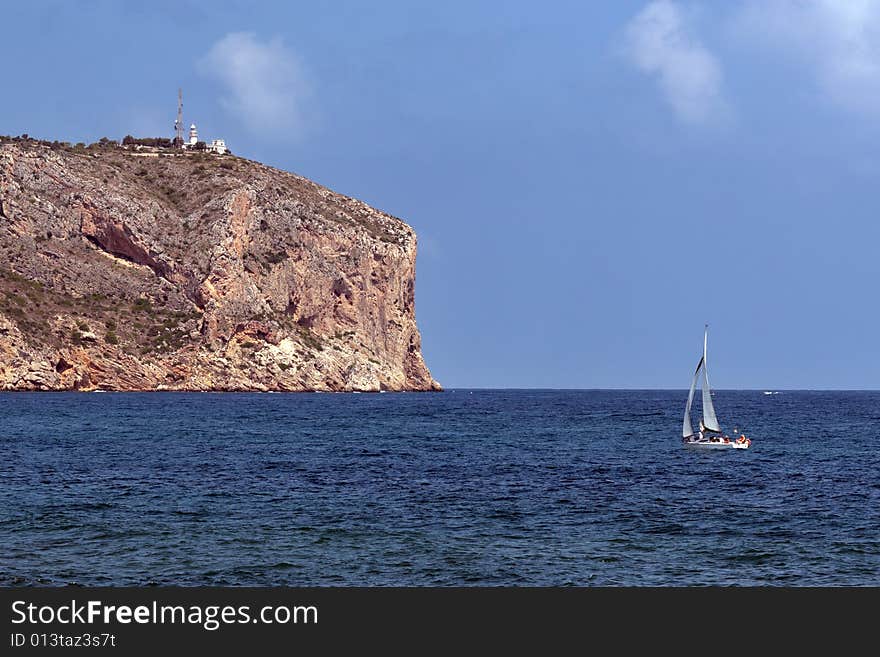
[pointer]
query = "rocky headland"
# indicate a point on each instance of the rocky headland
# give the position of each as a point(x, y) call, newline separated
point(155, 269)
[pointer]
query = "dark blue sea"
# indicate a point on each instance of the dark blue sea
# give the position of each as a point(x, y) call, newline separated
point(459, 488)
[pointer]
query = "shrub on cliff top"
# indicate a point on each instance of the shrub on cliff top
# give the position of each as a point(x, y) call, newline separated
point(156, 142)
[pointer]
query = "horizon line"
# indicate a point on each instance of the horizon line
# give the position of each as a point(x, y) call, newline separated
point(613, 389)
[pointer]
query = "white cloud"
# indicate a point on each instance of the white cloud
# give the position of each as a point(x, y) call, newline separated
point(660, 42)
point(265, 85)
point(838, 39)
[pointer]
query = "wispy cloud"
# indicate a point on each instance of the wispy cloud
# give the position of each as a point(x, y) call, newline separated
point(838, 39)
point(661, 42)
point(265, 84)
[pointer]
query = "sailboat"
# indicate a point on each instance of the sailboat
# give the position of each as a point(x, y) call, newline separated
point(709, 435)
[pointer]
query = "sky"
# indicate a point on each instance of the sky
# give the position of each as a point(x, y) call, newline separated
point(590, 182)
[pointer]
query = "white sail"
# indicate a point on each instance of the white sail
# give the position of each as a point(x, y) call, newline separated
point(687, 430)
point(709, 419)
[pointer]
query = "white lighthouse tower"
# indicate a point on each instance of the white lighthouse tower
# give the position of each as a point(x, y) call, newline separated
point(193, 135)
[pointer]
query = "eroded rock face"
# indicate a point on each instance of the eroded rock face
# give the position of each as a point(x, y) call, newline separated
point(197, 272)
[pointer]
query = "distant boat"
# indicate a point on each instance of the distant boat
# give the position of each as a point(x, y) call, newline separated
point(770, 392)
point(709, 435)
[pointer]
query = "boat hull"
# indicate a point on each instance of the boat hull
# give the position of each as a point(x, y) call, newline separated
point(705, 444)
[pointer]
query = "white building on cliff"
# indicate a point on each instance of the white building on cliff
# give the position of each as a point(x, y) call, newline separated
point(216, 146)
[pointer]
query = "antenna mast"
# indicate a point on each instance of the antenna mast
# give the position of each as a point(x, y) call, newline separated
point(178, 124)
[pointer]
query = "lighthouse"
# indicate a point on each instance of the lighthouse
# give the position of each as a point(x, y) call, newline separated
point(193, 135)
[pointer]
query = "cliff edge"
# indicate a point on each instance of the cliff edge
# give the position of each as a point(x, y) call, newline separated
point(164, 270)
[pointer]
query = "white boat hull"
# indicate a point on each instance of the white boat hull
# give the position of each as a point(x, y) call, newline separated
point(706, 444)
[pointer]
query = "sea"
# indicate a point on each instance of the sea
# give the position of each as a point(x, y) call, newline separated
point(460, 488)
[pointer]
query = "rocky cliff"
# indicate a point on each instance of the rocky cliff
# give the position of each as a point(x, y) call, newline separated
point(125, 270)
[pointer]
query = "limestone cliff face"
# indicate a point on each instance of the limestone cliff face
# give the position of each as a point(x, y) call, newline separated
point(120, 271)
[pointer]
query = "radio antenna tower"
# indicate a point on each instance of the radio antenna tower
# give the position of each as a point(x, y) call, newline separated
point(178, 124)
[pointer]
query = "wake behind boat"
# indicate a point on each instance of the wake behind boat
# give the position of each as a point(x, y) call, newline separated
point(709, 435)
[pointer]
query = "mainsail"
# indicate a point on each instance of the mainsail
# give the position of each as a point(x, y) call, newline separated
point(687, 430)
point(709, 419)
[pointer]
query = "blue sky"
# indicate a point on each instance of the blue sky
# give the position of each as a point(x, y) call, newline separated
point(590, 182)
